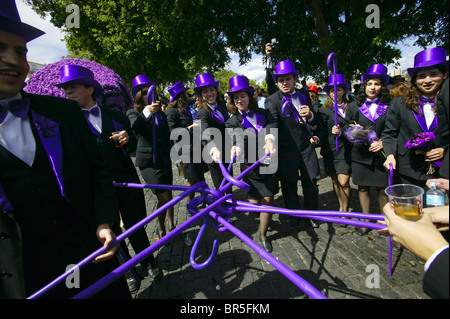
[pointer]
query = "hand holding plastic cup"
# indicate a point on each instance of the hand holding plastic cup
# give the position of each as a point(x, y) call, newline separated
point(115, 136)
point(406, 200)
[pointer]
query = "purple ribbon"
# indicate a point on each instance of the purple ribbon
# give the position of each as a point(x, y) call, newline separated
point(19, 108)
point(427, 100)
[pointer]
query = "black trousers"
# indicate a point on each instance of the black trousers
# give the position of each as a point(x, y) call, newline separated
point(310, 191)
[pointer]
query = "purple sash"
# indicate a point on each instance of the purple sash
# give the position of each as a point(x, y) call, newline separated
point(260, 121)
point(423, 123)
point(365, 110)
point(51, 139)
point(217, 116)
point(287, 102)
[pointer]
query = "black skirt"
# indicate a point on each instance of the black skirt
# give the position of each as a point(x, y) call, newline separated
point(370, 175)
point(194, 170)
point(334, 166)
point(162, 175)
point(261, 185)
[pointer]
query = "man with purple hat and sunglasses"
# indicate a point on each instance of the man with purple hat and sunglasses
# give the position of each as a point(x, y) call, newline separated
point(56, 196)
point(292, 112)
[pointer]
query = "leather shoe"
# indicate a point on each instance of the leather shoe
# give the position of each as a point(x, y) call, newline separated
point(154, 272)
point(313, 224)
point(267, 245)
point(132, 283)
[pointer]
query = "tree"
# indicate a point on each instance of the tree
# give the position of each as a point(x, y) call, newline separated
point(177, 40)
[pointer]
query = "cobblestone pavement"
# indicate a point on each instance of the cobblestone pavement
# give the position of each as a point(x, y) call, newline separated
point(336, 260)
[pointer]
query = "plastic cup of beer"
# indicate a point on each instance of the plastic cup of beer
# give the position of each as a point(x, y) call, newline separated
point(406, 200)
point(115, 137)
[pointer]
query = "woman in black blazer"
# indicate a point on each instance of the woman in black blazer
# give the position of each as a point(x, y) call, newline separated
point(369, 111)
point(246, 116)
point(179, 116)
point(212, 115)
point(337, 162)
point(416, 112)
point(153, 150)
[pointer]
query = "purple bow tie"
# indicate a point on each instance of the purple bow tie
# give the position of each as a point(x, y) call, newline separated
point(94, 111)
point(424, 100)
point(19, 108)
point(376, 101)
point(249, 114)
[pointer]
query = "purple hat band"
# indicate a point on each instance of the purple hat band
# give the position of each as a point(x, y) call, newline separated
point(75, 74)
point(377, 71)
point(285, 68)
point(140, 82)
point(176, 90)
point(10, 22)
point(340, 82)
point(429, 58)
point(204, 80)
point(240, 83)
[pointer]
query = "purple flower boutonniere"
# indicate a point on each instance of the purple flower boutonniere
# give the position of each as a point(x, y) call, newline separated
point(381, 109)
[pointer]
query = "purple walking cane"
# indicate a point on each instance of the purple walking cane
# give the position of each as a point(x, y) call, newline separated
point(220, 208)
point(391, 178)
point(332, 66)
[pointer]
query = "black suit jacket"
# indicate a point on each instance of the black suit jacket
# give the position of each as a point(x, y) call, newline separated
point(82, 177)
point(360, 152)
point(144, 129)
point(443, 116)
point(326, 121)
point(293, 141)
point(248, 144)
point(400, 126)
point(435, 281)
point(207, 122)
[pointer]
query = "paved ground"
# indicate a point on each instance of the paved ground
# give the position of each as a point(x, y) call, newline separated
point(336, 260)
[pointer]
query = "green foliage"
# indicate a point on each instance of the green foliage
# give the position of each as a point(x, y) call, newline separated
point(176, 40)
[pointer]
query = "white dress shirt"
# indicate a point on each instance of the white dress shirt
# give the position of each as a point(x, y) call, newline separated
point(96, 121)
point(16, 135)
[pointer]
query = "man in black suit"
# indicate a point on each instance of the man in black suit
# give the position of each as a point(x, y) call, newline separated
point(56, 196)
point(116, 140)
point(291, 110)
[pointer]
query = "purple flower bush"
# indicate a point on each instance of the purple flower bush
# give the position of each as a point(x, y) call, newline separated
point(116, 95)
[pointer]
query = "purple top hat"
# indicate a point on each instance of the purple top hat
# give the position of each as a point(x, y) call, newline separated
point(340, 82)
point(240, 83)
point(140, 82)
point(176, 90)
point(204, 80)
point(75, 74)
point(10, 22)
point(377, 71)
point(429, 58)
point(285, 68)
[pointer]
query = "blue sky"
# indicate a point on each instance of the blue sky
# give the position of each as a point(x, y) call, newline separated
point(50, 48)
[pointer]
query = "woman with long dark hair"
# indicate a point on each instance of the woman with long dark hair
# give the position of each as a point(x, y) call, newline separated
point(212, 114)
point(416, 112)
point(369, 111)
